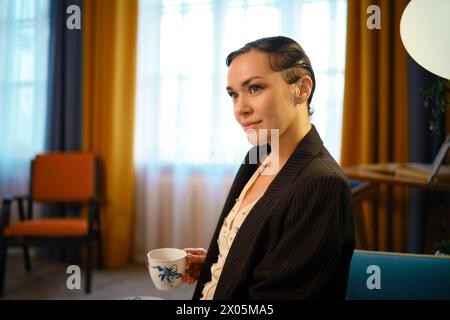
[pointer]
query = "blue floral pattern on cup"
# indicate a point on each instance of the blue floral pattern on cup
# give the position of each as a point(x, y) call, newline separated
point(168, 275)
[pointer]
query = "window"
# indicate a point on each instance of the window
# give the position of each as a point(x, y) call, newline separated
point(183, 112)
point(24, 40)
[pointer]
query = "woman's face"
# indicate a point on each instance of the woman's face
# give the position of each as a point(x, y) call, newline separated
point(261, 98)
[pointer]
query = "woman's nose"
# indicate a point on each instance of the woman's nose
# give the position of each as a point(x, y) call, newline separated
point(242, 107)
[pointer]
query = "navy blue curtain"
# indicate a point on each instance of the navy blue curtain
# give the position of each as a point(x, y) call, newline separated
point(64, 118)
point(423, 148)
point(64, 112)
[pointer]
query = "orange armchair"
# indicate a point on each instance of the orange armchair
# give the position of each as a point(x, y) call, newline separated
point(63, 178)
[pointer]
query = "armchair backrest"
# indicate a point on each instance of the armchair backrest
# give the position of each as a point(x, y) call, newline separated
point(63, 177)
point(400, 276)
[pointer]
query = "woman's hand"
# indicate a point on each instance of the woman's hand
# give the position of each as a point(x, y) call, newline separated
point(194, 260)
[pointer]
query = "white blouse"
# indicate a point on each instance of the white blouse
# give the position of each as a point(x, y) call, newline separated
point(230, 228)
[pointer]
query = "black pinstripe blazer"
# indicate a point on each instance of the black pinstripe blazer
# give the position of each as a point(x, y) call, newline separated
point(297, 241)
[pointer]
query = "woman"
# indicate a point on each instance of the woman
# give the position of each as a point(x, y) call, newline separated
point(286, 230)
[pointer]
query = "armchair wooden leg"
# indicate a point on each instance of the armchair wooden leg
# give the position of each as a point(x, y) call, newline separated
point(89, 268)
point(99, 254)
point(3, 253)
point(26, 257)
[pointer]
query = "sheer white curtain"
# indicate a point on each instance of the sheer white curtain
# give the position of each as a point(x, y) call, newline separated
point(187, 144)
point(24, 41)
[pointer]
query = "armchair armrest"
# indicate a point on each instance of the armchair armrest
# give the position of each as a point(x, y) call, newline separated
point(7, 201)
point(95, 199)
point(6, 209)
point(94, 214)
point(9, 197)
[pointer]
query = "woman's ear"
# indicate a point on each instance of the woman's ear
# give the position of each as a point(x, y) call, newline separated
point(304, 85)
point(296, 99)
point(301, 90)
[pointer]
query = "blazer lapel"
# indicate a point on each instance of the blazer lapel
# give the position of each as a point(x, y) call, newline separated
point(305, 151)
point(244, 174)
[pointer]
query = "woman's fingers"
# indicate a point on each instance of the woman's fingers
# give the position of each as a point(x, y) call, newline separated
point(187, 279)
point(194, 258)
point(195, 251)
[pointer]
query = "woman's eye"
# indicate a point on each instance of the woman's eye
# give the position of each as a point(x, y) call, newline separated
point(254, 89)
point(232, 95)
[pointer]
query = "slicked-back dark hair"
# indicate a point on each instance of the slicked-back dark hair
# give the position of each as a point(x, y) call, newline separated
point(285, 55)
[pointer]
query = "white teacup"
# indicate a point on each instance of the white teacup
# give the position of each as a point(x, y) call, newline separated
point(166, 267)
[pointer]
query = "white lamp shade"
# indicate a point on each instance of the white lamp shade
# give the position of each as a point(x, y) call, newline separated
point(425, 32)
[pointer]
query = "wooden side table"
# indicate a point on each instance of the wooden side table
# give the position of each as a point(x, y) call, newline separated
point(391, 174)
point(362, 192)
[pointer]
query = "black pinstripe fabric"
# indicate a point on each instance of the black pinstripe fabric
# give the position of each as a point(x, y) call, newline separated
point(297, 241)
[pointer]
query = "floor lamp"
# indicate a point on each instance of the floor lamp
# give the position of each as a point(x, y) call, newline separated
point(425, 33)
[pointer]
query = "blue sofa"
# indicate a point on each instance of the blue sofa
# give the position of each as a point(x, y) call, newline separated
point(381, 275)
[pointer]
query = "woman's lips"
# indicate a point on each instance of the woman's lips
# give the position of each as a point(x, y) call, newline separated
point(250, 125)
